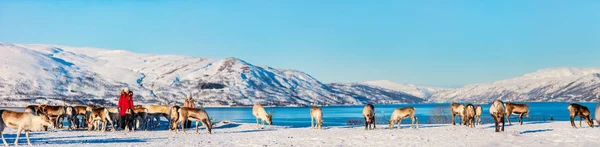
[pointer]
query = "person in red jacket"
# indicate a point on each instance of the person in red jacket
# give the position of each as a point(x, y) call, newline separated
point(125, 102)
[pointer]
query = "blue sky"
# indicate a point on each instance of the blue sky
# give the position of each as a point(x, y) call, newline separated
point(432, 43)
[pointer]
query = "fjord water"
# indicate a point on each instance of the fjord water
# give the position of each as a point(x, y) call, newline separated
point(340, 115)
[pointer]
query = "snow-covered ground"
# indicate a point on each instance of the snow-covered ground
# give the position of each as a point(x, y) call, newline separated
point(530, 134)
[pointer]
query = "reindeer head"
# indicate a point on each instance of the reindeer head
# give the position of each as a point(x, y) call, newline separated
point(40, 122)
point(368, 119)
point(590, 122)
point(391, 124)
point(270, 117)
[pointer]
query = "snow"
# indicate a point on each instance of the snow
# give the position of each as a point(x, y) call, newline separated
point(419, 91)
point(555, 84)
point(531, 134)
point(36, 71)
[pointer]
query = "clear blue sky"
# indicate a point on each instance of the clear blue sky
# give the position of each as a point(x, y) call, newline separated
point(433, 43)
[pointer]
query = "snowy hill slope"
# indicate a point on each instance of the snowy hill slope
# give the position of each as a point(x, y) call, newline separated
point(72, 75)
point(556, 84)
point(419, 91)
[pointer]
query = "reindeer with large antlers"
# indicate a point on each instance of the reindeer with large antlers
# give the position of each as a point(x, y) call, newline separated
point(259, 112)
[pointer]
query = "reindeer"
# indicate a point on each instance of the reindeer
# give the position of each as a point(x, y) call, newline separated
point(497, 111)
point(22, 121)
point(457, 109)
point(82, 111)
point(156, 111)
point(469, 116)
point(129, 120)
point(55, 113)
point(316, 115)
point(71, 115)
point(141, 117)
point(520, 109)
point(198, 115)
point(34, 110)
point(259, 112)
point(401, 113)
point(115, 117)
point(174, 113)
point(598, 113)
point(97, 116)
point(583, 112)
point(478, 112)
point(369, 115)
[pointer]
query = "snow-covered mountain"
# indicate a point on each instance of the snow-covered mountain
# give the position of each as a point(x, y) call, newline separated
point(375, 94)
point(71, 75)
point(556, 84)
point(419, 91)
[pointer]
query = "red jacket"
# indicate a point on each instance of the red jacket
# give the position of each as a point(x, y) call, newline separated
point(125, 102)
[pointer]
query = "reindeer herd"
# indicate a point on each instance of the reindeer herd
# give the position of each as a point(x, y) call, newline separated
point(40, 117)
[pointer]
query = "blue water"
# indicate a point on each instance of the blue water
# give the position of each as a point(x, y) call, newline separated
point(340, 115)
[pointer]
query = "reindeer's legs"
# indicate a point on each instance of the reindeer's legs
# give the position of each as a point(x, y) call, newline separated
point(508, 117)
point(573, 121)
point(453, 119)
point(311, 122)
point(183, 120)
point(417, 121)
point(27, 135)
point(374, 124)
point(502, 118)
point(263, 124)
point(3, 140)
point(197, 123)
point(89, 126)
point(257, 123)
point(19, 131)
point(366, 124)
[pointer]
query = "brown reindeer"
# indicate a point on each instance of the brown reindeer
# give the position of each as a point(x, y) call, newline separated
point(369, 114)
point(97, 116)
point(156, 111)
point(478, 112)
point(469, 115)
point(497, 111)
point(401, 113)
point(259, 112)
point(174, 113)
point(583, 112)
point(22, 121)
point(55, 113)
point(520, 109)
point(34, 109)
point(198, 115)
point(316, 116)
point(457, 109)
point(598, 113)
point(71, 116)
point(82, 111)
